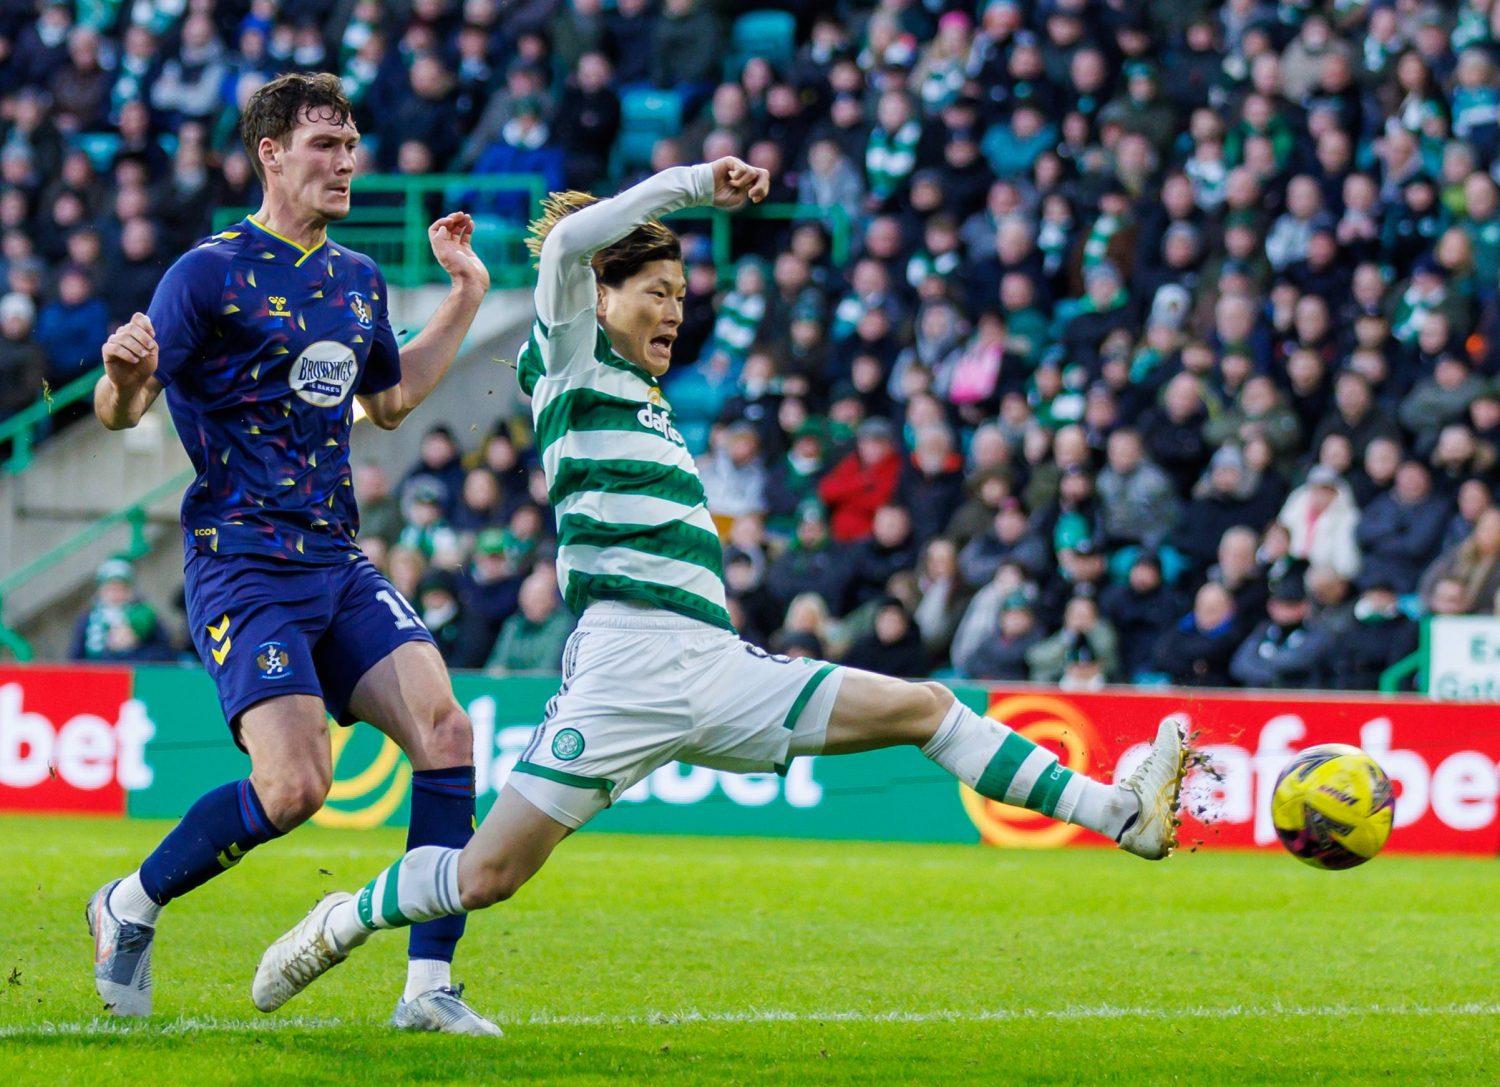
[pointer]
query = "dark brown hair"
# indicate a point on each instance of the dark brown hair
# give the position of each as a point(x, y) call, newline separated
point(276, 109)
point(615, 264)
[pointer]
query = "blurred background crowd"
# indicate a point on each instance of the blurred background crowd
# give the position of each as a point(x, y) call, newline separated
point(1168, 350)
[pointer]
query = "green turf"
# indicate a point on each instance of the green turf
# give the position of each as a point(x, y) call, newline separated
point(748, 961)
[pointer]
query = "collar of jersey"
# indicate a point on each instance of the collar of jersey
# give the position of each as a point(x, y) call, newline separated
point(610, 357)
point(303, 254)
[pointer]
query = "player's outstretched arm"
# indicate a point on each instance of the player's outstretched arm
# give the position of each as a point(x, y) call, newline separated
point(129, 386)
point(426, 358)
point(565, 282)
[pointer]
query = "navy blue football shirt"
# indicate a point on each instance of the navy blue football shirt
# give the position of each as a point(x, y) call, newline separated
point(262, 346)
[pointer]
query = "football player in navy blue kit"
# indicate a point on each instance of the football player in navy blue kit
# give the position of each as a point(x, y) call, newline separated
point(263, 336)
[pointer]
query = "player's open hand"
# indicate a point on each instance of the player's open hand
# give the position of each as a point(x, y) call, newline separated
point(736, 181)
point(130, 353)
point(452, 239)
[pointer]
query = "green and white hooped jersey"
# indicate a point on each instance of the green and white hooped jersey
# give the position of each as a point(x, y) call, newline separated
point(632, 521)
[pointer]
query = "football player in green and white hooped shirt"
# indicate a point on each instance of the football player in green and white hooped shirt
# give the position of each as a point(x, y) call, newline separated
point(655, 671)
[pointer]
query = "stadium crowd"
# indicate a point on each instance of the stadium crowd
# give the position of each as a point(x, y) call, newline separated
point(1168, 350)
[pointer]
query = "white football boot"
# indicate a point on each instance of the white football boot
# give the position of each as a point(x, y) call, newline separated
point(1157, 785)
point(299, 957)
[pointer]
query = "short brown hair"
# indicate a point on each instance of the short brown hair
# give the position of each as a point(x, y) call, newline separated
point(615, 264)
point(274, 110)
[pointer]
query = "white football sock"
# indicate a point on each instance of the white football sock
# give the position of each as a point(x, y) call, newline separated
point(425, 975)
point(1001, 764)
point(419, 887)
point(130, 902)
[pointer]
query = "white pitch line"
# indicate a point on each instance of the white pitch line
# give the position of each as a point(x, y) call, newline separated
point(107, 1027)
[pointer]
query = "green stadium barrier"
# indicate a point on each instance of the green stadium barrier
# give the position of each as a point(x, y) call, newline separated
point(915, 802)
point(147, 741)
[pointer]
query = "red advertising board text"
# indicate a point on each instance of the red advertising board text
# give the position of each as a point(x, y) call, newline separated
point(1442, 758)
point(71, 740)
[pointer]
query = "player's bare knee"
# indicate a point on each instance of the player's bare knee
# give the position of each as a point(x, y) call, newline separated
point(292, 800)
point(485, 885)
point(937, 701)
point(450, 741)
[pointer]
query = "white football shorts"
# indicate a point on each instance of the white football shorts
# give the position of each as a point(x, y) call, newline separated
point(642, 687)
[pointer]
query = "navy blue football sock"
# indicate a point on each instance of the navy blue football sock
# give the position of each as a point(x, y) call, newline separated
point(442, 813)
point(220, 828)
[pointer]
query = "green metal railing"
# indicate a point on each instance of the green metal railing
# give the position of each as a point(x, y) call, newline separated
point(1413, 664)
point(390, 214)
point(21, 429)
point(132, 518)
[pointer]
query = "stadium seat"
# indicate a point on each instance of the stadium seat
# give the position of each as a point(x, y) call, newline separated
point(100, 147)
point(646, 115)
point(768, 34)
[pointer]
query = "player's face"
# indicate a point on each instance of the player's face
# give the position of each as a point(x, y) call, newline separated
point(318, 165)
point(643, 314)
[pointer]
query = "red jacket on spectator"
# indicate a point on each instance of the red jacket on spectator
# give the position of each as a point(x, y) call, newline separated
point(860, 484)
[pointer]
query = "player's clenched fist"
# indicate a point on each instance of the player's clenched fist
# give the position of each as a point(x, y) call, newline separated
point(736, 181)
point(130, 353)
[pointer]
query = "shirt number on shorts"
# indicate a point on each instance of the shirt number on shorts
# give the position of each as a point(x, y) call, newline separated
point(401, 611)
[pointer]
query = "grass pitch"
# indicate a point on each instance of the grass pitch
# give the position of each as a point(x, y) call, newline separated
point(712, 961)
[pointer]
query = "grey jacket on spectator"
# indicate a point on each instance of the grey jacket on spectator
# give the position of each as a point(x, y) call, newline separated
point(982, 556)
point(1139, 506)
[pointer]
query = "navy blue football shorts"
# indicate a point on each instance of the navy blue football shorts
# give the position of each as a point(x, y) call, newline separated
point(267, 627)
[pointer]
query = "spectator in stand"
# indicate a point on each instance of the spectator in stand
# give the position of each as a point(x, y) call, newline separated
point(1140, 504)
point(1009, 538)
point(189, 86)
point(1379, 636)
point(1174, 431)
point(588, 120)
point(812, 563)
point(1219, 503)
point(532, 639)
point(893, 647)
point(686, 51)
point(71, 328)
point(1323, 521)
point(1285, 649)
point(441, 612)
point(1400, 531)
point(440, 463)
point(23, 362)
point(1356, 416)
point(423, 112)
point(734, 481)
point(1473, 563)
point(862, 482)
point(890, 549)
point(1082, 626)
point(489, 594)
point(379, 512)
point(1002, 656)
point(1197, 651)
point(136, 271)
point(1140, 609)
point(943, 597)
point(119, 625)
